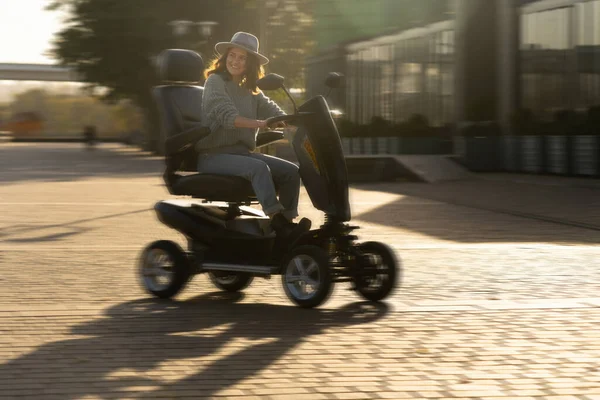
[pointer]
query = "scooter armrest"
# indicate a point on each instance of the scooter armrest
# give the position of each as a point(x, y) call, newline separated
point(268, 137)
point(181, 141)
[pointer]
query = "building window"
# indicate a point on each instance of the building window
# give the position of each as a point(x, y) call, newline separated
point(404, 75)
point(560, 58)
point(587, 50)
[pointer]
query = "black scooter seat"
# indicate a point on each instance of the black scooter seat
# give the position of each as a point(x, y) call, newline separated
point(216, 209)
point(213, 187)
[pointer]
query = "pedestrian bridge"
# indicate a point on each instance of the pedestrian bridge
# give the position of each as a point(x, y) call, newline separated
point(37, 72)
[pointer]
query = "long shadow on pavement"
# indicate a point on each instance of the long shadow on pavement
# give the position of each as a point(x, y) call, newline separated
point(68, 229)
point(127, 347)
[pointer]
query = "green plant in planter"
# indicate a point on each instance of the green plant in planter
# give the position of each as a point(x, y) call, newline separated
point(347, 128)
point(417, 126)
point(379, 127)
point(482, 129)
point(567, 123)
point(523, 123)
point(484, 151)
point(593, 121)
point(398, 129)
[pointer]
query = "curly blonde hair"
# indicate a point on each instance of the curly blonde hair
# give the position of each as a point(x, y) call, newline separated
point(254, 71)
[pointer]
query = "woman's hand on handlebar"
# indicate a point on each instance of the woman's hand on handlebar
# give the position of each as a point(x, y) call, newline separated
point(271, 123)
point(261, 124)
point(264, 124)
point(280, 121)
point(280, 124)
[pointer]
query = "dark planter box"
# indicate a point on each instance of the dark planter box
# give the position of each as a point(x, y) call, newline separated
point(356, 146)
point(511, 149)
point(531, 160)
point(351, 145)
point(586, 155)
point(484, 153)
point(551, 154)
point(556, 154)
point(347, 145)
point(368, 146)
point(385, 145)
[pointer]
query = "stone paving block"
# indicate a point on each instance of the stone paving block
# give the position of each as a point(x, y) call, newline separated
point(352, 396)
point(295, 396)
point(396, 395)
point(524, 397)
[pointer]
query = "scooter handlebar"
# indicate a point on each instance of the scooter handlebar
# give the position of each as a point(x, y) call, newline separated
point(289, 118)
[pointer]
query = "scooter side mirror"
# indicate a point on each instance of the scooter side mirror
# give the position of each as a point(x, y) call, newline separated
point(274, 82)
point(270, 82)
point(334, 80)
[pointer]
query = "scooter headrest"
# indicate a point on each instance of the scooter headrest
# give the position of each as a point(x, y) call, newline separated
point(181, 66)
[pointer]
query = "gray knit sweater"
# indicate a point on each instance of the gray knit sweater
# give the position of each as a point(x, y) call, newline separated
point(222, 101)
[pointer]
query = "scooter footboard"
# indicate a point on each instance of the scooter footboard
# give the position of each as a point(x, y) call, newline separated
point(175, 218)
point(241, 251)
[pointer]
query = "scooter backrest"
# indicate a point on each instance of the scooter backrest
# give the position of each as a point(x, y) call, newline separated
point(179, 98)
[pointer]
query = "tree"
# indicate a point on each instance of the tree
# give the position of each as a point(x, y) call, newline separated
point(113, 43)
point(68, 114)
point(290, 38)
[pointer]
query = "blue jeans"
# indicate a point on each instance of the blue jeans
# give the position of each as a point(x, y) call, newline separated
point(263, 172)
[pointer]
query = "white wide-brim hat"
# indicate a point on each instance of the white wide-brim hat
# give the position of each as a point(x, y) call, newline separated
point(244, 41)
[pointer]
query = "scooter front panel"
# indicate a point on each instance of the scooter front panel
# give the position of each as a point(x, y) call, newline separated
point(319, 151)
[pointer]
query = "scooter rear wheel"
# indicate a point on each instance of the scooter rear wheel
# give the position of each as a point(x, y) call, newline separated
point(230, 281)
point(306, 276)
point(379, 271)
point(164, 269)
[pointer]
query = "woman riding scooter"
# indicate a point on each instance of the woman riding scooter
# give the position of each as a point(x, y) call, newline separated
point(235, 109)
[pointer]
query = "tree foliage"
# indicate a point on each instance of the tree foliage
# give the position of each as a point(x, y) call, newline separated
point(290, 38)
point(113, 43)
point(68, 114)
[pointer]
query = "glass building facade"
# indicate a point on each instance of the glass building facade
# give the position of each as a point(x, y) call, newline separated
point(542, 55)
point(396, 76)
point(560, 56)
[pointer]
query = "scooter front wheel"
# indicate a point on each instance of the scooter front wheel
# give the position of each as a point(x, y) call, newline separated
point(306, 276)
point(164, 269)
point(379, 271)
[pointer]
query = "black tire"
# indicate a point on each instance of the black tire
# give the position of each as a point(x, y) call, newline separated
point(379, 280)
point(230, 281)
point(317, 261)
point(178, 265)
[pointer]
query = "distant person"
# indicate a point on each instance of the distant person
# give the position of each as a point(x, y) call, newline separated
point(90, 136)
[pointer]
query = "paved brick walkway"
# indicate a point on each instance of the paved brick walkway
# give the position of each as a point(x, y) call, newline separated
point(500, 297)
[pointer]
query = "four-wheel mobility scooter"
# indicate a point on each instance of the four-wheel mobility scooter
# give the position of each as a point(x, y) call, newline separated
point(233, 242)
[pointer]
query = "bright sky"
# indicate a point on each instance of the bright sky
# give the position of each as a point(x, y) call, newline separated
point(26, 31)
